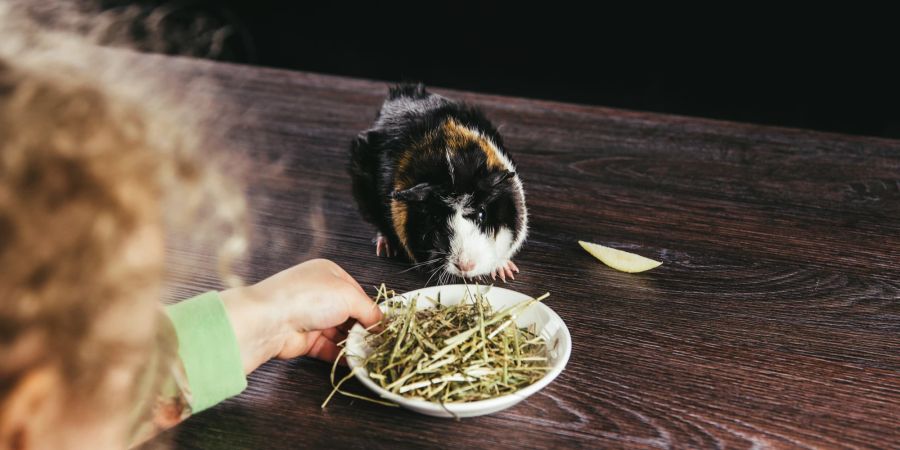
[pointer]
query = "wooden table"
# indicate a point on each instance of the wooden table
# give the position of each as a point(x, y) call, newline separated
point(773, 322)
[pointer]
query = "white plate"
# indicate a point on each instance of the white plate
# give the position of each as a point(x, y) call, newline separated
point(547, 323)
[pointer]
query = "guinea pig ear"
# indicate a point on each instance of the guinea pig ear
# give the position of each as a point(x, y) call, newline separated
point(498, 177)
point(416, 193)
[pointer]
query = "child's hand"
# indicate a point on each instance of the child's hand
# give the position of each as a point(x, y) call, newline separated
point(304, 310)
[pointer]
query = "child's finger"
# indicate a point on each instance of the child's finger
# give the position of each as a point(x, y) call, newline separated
point(335, 334)
point(324, 348)
point(362, 308)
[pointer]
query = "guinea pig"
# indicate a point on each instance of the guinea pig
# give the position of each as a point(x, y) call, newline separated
point(432, 175)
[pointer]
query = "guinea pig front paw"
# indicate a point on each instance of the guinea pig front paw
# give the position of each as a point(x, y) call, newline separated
point(505, 270)
point(382, 245)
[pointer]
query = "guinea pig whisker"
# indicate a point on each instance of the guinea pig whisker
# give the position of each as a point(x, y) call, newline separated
point(430, 261)
point(421, 264)
point(433, 273)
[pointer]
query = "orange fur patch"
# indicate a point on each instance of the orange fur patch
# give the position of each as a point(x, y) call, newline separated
point(458, 136)
point(403, 181)
point(398, 213)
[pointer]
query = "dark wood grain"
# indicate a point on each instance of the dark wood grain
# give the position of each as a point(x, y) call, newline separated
point(774, 321)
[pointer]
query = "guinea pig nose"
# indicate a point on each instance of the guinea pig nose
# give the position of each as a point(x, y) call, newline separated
point(464, 265)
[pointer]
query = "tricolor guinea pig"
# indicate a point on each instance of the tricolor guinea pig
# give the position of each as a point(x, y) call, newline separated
point(433, 176)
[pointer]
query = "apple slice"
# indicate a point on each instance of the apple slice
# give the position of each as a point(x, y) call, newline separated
point(618, 259)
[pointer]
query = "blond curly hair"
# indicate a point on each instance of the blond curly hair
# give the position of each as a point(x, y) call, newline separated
point(85, 166)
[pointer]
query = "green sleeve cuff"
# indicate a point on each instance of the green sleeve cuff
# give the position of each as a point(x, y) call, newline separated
point(208, 350)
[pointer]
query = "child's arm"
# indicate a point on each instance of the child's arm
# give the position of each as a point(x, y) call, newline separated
point(208, 368)
point(304, 310)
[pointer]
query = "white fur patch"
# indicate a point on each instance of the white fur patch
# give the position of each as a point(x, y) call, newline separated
point(460, 204)
point(469, 244)
point(520, 198)
point(450, 168)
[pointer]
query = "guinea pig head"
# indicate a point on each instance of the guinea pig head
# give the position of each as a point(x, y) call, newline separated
point(460, 212)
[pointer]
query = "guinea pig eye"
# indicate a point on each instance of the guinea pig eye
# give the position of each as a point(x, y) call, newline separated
point(480, 216)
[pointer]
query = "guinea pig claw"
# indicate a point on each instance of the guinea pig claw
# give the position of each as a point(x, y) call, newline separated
point(508, 269)
point(381, 243)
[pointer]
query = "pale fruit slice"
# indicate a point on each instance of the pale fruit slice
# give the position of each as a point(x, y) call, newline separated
point(618, 259)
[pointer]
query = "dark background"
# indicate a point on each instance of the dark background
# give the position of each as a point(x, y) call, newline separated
point(770, 67)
